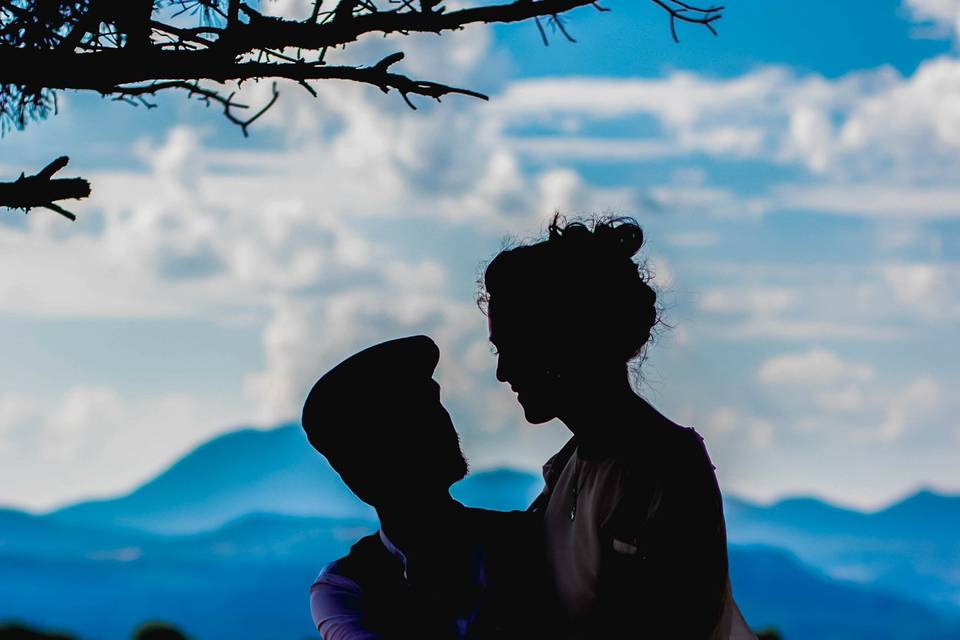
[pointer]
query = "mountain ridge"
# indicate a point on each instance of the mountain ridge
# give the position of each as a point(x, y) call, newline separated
point(255, 508)
point(215, 464)
point(909, 547)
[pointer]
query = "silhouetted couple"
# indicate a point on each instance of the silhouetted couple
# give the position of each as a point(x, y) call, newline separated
point(627, 539)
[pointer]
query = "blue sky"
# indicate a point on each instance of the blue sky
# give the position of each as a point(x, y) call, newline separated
point(795, 177)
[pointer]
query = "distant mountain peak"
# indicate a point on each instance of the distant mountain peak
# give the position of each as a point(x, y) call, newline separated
point(931, 507)
point(275, 471)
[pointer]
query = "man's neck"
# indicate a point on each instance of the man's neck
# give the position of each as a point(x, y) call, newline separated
point(418, 526)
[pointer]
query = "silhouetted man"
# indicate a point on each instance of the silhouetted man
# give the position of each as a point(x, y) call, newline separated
point(435, 569)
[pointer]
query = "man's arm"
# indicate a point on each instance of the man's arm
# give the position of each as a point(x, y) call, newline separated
point(336, 604)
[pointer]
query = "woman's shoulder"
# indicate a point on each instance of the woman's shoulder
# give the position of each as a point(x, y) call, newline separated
point(555, 464)
point(656, 432)
point(686, 441)
point(663, 449)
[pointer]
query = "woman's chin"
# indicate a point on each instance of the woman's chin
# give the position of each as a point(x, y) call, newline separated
point(536, 415)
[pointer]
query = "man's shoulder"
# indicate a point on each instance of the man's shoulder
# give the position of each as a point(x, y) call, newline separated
point(346, 593)
point(489, 517)
point(492, 530)
point(367, 558)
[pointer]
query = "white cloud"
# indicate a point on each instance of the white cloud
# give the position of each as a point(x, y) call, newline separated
point(814, 301)
point(914, 283)
point(16, 413)
point(698, 200)
point(833, 400)
point(606, 150)
point(305, 337)
point(848, 398)
point(874, 143)
point(913, 120)
point(682, 99)
point(769, 113)
point(661, 272)
point(807, 330)
point(931, 291)
point(815, 367)
point(810, 136)
point(728, 426)
point(910, 408)
point(91, 441)
point(694, 239)
point(907, 234)
point(74, 278)
point(748, 300)
point(945, 14)
point(857, 439)
point(880, 200)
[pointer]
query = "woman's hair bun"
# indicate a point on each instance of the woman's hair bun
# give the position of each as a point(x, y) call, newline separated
point(621, 236)
point(624, 233)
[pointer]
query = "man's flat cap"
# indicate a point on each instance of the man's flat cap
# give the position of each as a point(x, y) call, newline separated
point(368, 381)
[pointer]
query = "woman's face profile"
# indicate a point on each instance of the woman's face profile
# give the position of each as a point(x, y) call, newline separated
point(524, 362)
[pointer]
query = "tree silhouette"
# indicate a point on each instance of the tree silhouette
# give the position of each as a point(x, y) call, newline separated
point(130, 50)
point(23, 632)
point(156, 630)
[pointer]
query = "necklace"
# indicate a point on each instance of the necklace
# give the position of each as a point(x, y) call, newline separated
point(577, 488)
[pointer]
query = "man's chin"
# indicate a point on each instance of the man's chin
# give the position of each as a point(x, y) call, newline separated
point(463, 470)
point(459, 470)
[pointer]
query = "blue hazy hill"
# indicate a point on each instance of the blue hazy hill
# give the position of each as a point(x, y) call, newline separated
point(939, 513)
point(911, 547)
point(273, 471)
point(773, 588)
point(241, 472)
point(28, 534)
point(249, 579)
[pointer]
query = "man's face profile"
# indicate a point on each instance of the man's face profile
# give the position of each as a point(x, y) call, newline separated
point(407, 446)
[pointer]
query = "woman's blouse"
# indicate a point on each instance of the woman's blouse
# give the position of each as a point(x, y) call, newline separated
point(636, 539)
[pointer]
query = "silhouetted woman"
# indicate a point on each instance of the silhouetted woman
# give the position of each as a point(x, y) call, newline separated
point(633, 516)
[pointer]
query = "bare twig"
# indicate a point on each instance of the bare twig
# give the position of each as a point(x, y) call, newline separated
point(42, 189)
point(684, 12)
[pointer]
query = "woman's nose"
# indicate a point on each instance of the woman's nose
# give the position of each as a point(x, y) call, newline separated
point(501, 369)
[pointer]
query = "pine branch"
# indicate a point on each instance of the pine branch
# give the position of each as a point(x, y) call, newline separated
point(122, 49)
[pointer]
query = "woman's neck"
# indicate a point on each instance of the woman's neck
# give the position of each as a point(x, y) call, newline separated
point(601, 414)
